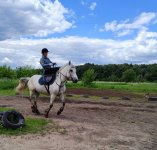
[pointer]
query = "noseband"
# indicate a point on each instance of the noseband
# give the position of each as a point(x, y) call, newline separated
point(63, 83)
point(65, 75)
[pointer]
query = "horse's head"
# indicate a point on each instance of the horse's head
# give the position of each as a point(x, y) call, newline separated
point(71, 74)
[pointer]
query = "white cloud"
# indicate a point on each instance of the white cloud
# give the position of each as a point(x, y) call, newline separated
point(144, 35)
point(81, 50)
point(6, 61)
point(124, 32)
point(83, 3)
point(144, 19)
point(93, 6)
point(32, 17)
point(127, 27)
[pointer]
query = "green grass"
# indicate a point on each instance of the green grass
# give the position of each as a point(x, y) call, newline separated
point(7, 87)
point(2, 109)
point(132, 87)
point(32, 126)
point(121, 86)
point(6, 84)
point(7, 92)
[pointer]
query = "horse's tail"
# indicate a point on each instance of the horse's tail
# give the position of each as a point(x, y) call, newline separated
point(22, 85)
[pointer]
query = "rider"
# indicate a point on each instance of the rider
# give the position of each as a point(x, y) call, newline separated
point(46, 64)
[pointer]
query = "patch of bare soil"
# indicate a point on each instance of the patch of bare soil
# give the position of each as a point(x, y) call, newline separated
point(101, 93)
point(91, 125)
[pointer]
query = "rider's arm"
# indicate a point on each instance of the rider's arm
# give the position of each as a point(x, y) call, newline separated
point(45, 63)
point(50, 62)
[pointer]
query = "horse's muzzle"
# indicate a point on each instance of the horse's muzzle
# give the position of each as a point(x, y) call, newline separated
point(74, 80)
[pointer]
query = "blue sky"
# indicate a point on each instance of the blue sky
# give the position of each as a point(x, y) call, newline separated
point(89, 21)
point(83, 31)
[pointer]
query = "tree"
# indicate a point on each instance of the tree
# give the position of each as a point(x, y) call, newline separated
point(7, 72)
point(129, 75)
point(26, 71)
point(88, 77)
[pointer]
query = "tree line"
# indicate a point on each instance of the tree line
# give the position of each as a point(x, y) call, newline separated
point(9, 73)
point(110, 72)
point(121, 72)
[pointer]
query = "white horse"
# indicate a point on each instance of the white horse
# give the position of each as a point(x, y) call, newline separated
point(58, 88)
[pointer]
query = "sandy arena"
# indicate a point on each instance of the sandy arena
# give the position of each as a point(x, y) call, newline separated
point(91, 124)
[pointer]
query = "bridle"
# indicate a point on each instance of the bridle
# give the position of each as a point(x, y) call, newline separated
point(63, 82)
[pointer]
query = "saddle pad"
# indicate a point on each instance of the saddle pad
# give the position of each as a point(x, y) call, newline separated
point(42, 80)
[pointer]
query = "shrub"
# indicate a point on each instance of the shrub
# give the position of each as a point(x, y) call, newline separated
point(7, 72)
point(88, 77)
point(26, 71)
point(129, 75)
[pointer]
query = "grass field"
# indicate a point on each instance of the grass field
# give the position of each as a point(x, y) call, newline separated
point(32, 125)
point(122, 86)
point(7, 87)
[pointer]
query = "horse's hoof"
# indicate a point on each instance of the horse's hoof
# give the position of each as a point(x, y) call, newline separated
point(46, 115)
point(33, 111)
point(59, 112)
point(37, 112)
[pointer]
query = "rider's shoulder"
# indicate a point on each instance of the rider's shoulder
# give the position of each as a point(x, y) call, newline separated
point(44, 57)
point(41, 58)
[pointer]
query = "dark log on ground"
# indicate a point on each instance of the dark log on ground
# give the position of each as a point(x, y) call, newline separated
point(152, 99)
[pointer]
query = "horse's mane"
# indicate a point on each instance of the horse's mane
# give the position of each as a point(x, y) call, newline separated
point(65, 66)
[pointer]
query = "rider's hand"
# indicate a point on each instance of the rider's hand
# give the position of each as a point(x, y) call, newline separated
point(50, 64)
point(54, 64)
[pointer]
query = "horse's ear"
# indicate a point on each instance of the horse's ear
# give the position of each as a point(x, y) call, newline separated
point(69, 62)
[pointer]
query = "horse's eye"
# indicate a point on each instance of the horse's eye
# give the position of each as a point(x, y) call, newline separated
point(71, 70)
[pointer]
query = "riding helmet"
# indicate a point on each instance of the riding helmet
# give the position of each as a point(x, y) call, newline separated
point(44, 50)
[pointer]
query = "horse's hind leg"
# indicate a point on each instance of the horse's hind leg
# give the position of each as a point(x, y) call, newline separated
point(52, 98)
point(63, 102)
point(35, 102)
point(33, 99)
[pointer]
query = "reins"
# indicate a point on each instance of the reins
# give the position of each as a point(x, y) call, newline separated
point(62, 83)
point(47, 88)
point(60, 74)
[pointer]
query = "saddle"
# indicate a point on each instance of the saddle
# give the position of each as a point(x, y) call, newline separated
point(48, 77)
point(43, 80)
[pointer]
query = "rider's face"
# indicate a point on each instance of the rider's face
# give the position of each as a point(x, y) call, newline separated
point(45, 54)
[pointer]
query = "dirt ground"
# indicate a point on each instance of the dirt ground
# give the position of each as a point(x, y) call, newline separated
point(101, 124)
point(102, 93)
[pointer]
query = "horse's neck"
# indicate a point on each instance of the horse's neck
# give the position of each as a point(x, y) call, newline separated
point(61, 78)
point(63, 67)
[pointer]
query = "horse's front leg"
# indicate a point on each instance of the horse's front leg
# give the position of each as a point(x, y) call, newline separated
point(52, 98)
point(63, 102)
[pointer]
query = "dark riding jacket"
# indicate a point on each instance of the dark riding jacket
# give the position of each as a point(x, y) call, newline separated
point(45, 62)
